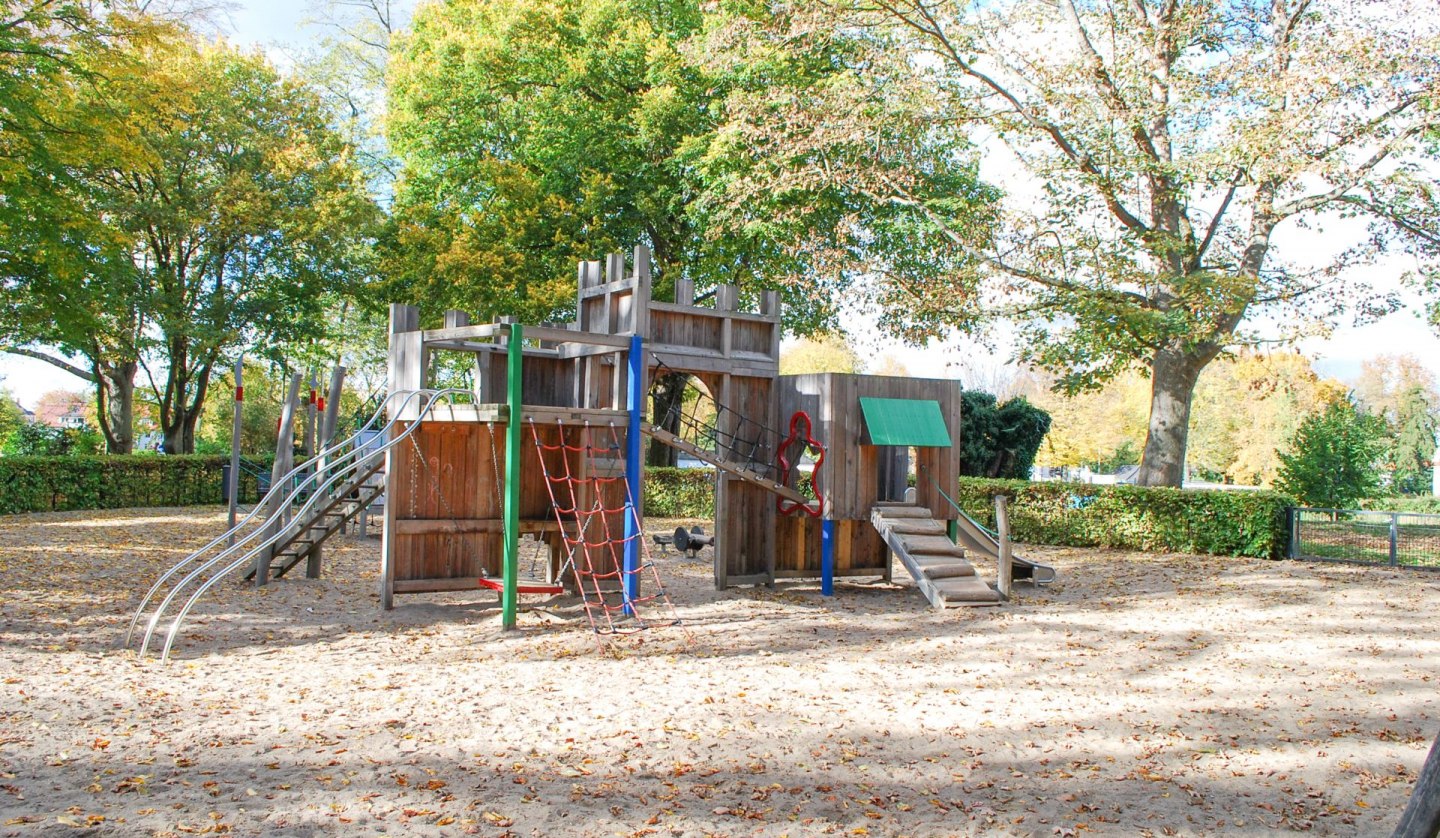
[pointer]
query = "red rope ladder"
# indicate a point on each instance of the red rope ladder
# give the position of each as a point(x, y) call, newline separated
point(598, 558)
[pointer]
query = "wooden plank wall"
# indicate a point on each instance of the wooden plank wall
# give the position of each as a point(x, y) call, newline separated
point(850, 482)
point(447, 509)
point(859, 549)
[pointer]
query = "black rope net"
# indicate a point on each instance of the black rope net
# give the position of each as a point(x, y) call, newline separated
point(731, 435)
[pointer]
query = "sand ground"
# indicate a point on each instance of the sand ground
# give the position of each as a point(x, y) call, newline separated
point(1139, 695)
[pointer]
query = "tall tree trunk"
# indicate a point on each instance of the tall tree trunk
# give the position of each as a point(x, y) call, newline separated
point(1173, 373)
point(179, 422)
point(115, 404)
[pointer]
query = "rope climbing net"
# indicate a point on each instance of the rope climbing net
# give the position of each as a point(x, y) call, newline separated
point(592, 510)
point(709, 424)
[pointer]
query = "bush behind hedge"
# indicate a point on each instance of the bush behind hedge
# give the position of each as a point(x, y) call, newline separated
point(680, 492)
point(1135, 518)
point(44, 484)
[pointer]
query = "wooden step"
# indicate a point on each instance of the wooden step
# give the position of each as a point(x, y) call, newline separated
point(903, 510)
point(931, 544)
point(917, 526)
point(937, 565)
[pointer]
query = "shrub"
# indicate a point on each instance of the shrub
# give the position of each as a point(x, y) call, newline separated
point(1333, 457)
point(680, 492)
point(1000, 440)
point(1418, 505)
point(1133, 517)
point(42, 484)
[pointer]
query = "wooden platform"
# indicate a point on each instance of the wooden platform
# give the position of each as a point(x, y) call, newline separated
point(939, 568)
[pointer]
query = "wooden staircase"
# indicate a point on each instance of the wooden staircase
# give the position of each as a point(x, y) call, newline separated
point(939, 568)
point(305, 537)
point(742, 471)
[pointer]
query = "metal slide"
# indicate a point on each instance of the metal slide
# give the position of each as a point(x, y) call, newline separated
point(305, 502)
point(975, 538)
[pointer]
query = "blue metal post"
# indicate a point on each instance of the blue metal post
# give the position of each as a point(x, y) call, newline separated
point(635, 404)
point(827, 558)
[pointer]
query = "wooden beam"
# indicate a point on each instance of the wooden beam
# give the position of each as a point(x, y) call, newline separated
point(467, 526)
point(731, 468)
point(697, 311)
point(473, 332)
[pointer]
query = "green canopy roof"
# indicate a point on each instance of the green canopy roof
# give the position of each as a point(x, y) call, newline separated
point(916, 422)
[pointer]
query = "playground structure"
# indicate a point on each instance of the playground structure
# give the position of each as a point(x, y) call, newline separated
point(544, 444)
point(582, 388)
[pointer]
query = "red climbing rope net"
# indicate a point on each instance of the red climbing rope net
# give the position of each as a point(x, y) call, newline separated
point(594, 535)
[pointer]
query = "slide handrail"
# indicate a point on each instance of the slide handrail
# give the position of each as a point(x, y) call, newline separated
point(283, 494)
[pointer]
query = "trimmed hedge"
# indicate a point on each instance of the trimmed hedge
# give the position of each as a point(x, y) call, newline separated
point(680, 492)
point(1135, 518)
point(1069, 514)
point(44, 484)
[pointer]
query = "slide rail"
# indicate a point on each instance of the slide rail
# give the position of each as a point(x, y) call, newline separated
point(256, 533)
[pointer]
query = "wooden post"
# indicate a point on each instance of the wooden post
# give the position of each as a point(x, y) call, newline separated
point(332, 406)
point(403, 319)
point(311, 414)
point(1005, 573)
point(235, 429)
point(509, 597)
point(325, 436)
point(284, 461)
point(1421, 818)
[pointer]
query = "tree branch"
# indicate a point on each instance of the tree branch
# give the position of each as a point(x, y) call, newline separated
point(78, 372)
point(931, 28)
point(1310, 202)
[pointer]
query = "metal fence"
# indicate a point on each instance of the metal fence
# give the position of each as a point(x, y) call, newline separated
point(1399, 539)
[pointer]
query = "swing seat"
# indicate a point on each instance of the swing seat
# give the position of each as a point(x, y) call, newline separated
point(523, 587)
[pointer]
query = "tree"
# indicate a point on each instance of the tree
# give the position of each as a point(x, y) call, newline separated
point(11, 416)
point(1332, 459)
point(243, 210)
point(1247, 407)
point(1000, 441)
point(1157, 148)
point(1413, 448)
point(1386, 380)
point(1091, 428)
point(534, 134)
point(63, 275)
point(826, 352)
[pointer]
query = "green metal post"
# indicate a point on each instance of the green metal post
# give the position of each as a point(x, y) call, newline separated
point(952, 529)
point(511, 571)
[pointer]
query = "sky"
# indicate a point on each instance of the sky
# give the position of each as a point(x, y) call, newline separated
point(279, 26)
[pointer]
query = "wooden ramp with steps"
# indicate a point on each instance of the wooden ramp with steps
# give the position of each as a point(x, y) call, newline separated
point(937, 565)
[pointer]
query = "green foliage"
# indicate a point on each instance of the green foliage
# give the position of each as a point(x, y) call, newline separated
point(680, 492)
point(210, 205)
point(999, 441)
point(43, 484)
point(1126, 455)
point(1420, 504)
point(1414, 443)
point(537, 132)
point(1333, 457)
point(1154, 520)
point(11, 417)
point(37, 440)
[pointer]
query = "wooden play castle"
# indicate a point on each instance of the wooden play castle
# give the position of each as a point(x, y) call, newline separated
point(546, 445)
